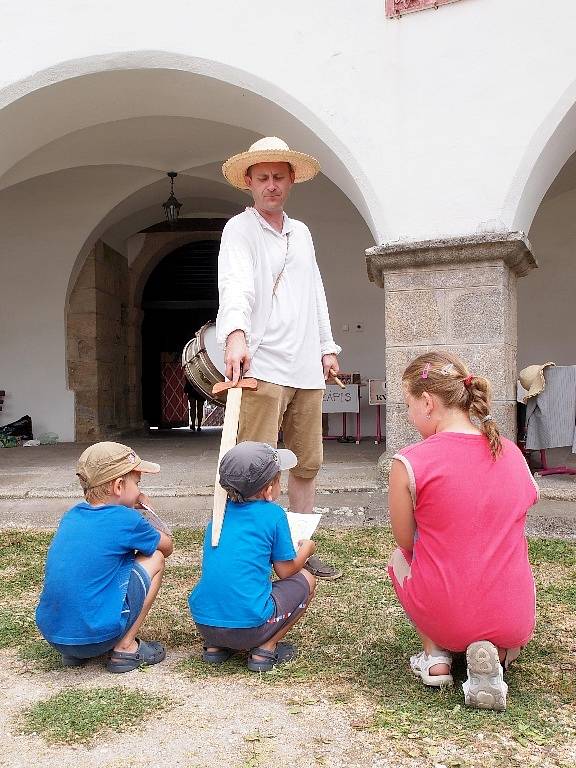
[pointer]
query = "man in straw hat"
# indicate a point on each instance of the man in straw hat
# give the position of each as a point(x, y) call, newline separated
point(273, 318)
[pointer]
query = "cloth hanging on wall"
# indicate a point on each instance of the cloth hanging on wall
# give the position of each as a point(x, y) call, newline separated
point(551, 415)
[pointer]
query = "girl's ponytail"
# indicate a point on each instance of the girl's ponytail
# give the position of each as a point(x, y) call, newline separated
point(479, 392)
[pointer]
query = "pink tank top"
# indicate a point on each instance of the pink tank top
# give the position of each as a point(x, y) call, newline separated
point(471, 579)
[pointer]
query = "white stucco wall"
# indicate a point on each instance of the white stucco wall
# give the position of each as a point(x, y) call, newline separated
point(442, 123)
point(439, 116)
point(546, 297)
point(42, 229)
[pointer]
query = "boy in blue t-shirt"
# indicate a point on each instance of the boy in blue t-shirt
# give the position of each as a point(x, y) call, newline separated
point(105, 565)
point(235, 605)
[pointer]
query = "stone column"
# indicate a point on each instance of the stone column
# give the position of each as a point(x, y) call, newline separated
point(97, 336)
point(135, 317)
point(459, 295)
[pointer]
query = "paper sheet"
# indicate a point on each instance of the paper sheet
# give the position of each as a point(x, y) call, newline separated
point(154, 519)
point(302, 526)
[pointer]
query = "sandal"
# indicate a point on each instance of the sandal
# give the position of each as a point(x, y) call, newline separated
point(72, 661)
point(485, 687)
point(321, 570)
point(420, 664)
point(284, 652)
point(216, 657)
point(147, 653)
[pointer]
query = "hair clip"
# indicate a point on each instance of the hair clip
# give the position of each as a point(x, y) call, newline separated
point(426, 370)
point(488, 417)
point(468, 380)
point(446, 369)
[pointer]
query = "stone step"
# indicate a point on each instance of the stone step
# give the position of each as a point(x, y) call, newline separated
point(343, 509)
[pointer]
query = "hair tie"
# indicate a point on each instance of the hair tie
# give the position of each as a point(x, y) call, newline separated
point(468, 380)
point(426, 370)
point(488, 417)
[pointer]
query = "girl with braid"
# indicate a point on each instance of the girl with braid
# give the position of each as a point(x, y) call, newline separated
point(458, 503)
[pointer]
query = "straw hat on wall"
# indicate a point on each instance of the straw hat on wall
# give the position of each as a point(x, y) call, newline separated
point(270, 149)
point(532, 379)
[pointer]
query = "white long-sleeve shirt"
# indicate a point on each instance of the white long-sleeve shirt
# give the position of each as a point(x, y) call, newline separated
point(288, 328)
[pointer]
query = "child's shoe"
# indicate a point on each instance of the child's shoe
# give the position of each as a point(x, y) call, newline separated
point(269, 659)
point(216, 657)
point(420, 664)
point(72, 661)
point(485, 687)
point(147, 653)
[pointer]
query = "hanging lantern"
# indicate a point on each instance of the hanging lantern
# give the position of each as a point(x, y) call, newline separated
point(172, 205)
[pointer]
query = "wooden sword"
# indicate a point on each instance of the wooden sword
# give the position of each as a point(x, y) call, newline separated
point(227, 441)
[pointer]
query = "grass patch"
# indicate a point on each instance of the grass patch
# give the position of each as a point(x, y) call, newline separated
point(552, 551)
point(22, 557)
point(76, 716)
point(354, 641)
point(355, 638)
point(41, 655)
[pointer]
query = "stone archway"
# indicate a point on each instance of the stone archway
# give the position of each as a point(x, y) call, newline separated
point(103, 330)
point(97, 161)
point(97, 344)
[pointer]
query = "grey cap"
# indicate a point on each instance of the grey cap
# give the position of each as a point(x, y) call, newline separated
point(249, 467)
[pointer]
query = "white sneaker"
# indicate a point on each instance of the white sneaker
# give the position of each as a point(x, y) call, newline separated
point(420, 664)
point(485, 687)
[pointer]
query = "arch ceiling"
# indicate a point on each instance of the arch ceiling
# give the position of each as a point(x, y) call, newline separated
point(155, 120)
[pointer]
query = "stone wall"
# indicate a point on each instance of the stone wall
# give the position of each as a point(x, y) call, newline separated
point(458, 295)
point(97, 332)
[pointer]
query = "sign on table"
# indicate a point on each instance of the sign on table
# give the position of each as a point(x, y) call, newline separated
point(376, 391)
point(338, 400)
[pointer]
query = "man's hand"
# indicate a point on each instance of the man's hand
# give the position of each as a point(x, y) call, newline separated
point(329, 363)
point(236, 355)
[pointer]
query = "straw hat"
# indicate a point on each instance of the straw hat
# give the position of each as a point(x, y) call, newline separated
point(270, 149)
point(532, 379)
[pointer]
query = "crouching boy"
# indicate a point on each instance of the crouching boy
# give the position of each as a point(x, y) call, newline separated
point(235, 605)
point(104, 566)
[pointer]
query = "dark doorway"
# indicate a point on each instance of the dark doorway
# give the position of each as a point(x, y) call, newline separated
point(181, 295)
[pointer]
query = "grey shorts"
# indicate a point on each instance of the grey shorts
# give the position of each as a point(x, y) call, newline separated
point(136, 591)
point(290, 597)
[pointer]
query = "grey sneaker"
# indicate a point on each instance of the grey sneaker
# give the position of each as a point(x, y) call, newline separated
point(485, 687)
point(321, 570)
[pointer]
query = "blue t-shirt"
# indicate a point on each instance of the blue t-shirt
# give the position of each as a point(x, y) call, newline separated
point(87, 572)
point(235, 589)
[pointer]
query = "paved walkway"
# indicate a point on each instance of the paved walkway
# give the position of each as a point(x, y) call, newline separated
point(188, 462)
point(38, 484)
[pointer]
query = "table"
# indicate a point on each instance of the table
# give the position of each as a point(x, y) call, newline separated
point(377, 397)
point(344, 401)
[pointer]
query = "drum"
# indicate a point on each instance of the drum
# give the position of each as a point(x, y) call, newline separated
point(203, 362)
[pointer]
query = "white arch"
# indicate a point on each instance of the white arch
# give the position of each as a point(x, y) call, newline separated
point(549, 149)
point(239, 91)
point(131, 208)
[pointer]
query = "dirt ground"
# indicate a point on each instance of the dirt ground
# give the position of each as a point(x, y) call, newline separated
point(218, 723)
point(224, 722)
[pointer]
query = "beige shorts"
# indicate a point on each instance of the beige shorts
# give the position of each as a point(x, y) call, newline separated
point(297, 412)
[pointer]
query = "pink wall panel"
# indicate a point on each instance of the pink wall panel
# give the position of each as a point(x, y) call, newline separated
point(400, 7)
